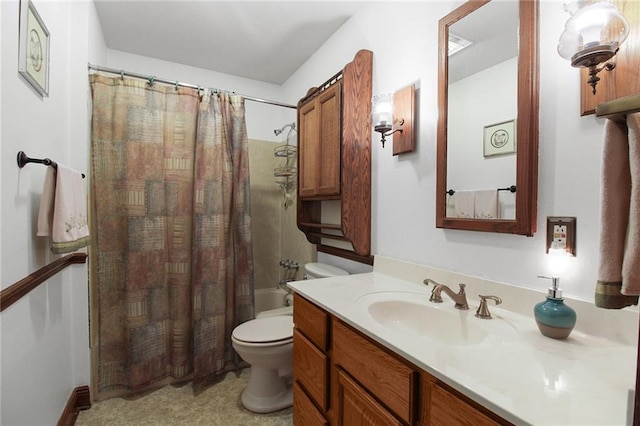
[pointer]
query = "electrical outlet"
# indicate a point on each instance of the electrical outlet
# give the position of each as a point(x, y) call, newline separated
point(561, 233)
point(560, 236)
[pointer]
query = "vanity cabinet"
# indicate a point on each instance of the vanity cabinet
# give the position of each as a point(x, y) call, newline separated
point(311, 368)
point(342, 377)
point(334, 161)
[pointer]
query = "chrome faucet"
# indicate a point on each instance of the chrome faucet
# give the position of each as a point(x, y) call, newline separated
point(459, 298)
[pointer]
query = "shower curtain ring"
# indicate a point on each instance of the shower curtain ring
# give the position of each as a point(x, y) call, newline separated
point(152, 80)
point(122, 75)
point(177, 84)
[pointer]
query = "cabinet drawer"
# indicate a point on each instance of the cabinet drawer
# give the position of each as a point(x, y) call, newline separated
point(446, 408)
point(304, 412)
point(310, 369)
point(311, 321)
point(391, 380)
point(357, 407)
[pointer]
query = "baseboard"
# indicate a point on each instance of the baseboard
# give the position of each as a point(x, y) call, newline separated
point(80, 399)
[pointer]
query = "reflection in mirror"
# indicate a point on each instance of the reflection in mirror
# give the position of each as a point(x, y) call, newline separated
point(483, 89)
point(488, 117)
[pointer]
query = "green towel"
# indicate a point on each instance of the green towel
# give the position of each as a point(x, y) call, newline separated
point(609, 296)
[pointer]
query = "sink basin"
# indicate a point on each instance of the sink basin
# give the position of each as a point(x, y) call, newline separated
point(407, 314)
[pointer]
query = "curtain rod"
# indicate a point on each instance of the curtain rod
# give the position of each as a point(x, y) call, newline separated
point(152, 79)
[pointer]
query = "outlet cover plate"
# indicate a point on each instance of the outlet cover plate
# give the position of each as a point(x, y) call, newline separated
point(568, 224)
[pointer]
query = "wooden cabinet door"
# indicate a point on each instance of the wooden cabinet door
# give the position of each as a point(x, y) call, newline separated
point(355, 407)
point(319, 147)
point(310, 369)
point(308, 149)
point(447, 409)
point(329, 106)
point(304, 412)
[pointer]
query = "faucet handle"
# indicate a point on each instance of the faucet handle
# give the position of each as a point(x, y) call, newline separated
point(463, 303)
point(483, 309)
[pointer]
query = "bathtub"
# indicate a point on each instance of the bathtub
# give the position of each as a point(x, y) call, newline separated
point(267, 299)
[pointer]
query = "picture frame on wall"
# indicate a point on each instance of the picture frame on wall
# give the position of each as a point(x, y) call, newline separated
point(33, 49)
point(500, 138)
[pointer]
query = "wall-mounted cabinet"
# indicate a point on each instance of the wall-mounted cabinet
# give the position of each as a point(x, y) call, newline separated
point(334, 160)
point(320, 134)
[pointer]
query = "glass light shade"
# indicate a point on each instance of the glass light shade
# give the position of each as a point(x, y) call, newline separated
point(593, 34)
point(382, 111)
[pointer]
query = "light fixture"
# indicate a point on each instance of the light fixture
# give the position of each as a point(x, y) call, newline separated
point(456, 44)
point(592, 36)
point(382, 115)
point(394, 113)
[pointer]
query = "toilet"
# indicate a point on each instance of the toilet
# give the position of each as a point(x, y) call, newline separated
point(322, 270)
point(266, 343)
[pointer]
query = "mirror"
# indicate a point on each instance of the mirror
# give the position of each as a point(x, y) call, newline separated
point(487, 155)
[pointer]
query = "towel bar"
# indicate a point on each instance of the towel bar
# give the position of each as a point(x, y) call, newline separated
point(23, 160)
point(511, 188)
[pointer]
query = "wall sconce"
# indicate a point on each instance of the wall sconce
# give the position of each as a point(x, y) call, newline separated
point(394, 113)
point(592, 36)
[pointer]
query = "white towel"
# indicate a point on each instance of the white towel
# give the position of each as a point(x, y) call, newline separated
point(63, 210)
point(486, 204)
point(464, 206)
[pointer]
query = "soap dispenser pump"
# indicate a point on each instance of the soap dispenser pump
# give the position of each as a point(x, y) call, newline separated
point(554, 318)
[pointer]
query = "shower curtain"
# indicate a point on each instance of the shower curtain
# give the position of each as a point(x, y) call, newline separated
point(172, 267)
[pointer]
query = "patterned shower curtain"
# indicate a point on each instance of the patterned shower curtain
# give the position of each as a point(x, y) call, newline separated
point(172, 267)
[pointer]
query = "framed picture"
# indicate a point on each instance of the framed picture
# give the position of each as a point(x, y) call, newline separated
point(33, 55)
point(500, 138)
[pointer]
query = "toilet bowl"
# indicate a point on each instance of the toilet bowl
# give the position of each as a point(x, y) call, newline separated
point(266, 343)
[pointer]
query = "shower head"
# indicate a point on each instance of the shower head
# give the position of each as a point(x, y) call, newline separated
point(278, 131)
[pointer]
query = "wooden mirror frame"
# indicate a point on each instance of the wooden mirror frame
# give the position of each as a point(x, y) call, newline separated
point(527, 125)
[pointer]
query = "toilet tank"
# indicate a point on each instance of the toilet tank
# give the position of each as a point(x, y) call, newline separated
point(322, 270)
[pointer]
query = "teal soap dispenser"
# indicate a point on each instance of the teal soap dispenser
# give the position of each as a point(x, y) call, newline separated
point(554, 318)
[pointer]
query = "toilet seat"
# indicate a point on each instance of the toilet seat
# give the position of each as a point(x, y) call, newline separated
point(265, 331)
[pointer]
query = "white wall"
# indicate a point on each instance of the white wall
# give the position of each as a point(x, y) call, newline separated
point(45, 345)
point(262, 118)
point(403, 210)
point(44, 352)
point(484, 98)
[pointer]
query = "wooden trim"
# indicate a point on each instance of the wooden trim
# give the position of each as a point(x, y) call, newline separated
point(333, 226)
point(80, 399)
point(329, 236)
point(404, 101)
point(347, 254)
point(315, 91)
point(357, 85)
point(16, 291)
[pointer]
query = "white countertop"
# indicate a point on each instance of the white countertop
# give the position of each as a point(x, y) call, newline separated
point(514, 371)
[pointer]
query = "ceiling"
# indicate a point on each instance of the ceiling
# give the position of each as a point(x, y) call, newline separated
point(260, 40)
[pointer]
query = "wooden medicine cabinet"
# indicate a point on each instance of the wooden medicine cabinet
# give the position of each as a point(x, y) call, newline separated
point(334, 161)
point(500, 97)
